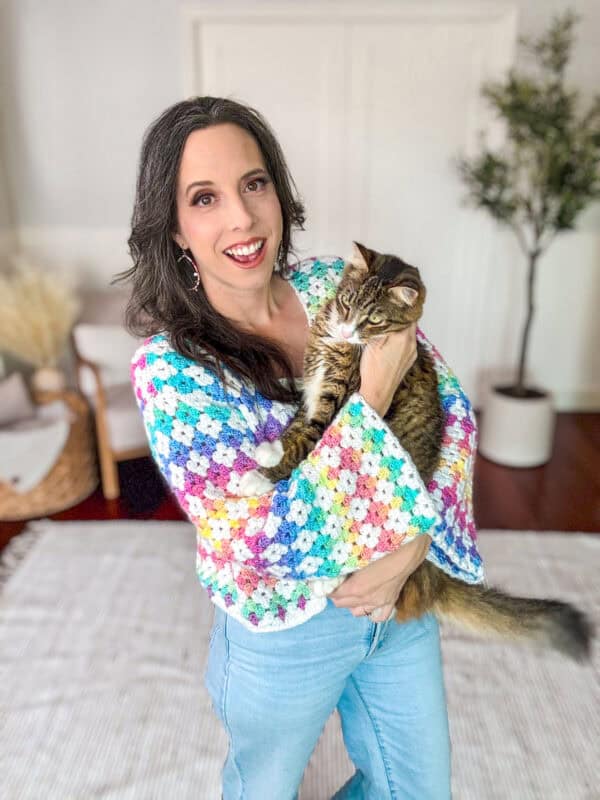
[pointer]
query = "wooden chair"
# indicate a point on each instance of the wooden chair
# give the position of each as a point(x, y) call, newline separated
point(102, 355)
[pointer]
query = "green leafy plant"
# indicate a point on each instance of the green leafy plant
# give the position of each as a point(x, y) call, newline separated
point(548, 171)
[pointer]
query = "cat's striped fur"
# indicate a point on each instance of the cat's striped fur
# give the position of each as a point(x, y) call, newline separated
point(379, 294)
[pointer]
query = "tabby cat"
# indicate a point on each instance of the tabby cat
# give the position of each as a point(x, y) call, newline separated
point(377, 295)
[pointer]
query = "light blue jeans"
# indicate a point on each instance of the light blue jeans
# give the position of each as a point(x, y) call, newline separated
point(274, 692)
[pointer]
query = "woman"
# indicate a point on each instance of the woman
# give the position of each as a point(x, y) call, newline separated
point(211, 236)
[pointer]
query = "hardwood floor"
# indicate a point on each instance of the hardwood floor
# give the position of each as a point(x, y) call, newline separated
point(563, 495)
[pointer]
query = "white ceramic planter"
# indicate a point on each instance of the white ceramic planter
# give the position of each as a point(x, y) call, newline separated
point(516, 431)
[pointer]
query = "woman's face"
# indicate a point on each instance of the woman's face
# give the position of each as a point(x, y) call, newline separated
point(226, 199)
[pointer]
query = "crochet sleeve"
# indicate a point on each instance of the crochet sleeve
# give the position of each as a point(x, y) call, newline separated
point(454, 539)
point(356, 497)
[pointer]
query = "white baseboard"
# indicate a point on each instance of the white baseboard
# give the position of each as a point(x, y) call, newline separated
point(583, 400)
point(571, 402)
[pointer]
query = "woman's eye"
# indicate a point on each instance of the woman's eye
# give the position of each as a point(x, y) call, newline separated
point(255, 182)
point(206, 199)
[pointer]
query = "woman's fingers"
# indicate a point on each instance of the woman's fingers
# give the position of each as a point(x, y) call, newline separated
point(345, 601)
point(359, 611)
point(380, 614)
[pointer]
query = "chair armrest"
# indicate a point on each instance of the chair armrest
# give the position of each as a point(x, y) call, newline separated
point(75, 402)
point(100, 394)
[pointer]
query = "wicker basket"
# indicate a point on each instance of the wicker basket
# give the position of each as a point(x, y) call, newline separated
point(73, 477)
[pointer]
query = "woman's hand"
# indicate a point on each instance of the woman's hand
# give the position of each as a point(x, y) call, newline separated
point(383, 365)
point(379, 585)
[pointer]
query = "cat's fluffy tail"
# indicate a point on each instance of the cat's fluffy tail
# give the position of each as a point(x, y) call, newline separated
point(489, 611)
point(550, 623)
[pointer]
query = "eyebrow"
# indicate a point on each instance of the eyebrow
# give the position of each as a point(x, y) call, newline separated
point(252, 172)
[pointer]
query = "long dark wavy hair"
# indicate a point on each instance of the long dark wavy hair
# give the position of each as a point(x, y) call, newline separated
point(161, 300)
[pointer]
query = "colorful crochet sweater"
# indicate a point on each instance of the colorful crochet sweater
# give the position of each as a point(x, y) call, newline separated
point(356, 497)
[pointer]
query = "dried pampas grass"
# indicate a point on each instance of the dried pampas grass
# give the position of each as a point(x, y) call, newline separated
point(37, 312)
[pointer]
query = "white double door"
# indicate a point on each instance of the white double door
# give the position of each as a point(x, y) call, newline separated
point(371, 106)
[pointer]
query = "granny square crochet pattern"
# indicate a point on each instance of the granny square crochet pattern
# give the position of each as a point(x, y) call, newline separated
point(356, 497)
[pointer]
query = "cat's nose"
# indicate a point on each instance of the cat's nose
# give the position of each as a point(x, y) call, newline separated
point(346, 331)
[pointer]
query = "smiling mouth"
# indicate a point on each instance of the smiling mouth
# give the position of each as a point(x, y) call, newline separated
point(247, 254)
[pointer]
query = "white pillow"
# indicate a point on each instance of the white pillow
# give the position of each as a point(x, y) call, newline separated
point(15, 403)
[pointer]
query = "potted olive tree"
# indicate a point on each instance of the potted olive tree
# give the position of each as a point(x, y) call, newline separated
point(545, 175)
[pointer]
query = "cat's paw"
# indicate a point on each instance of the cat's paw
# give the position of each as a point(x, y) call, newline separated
point(253, 483)
point(269, 454)
point(321, 587)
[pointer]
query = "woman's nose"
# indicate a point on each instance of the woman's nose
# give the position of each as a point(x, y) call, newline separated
point(240, 215)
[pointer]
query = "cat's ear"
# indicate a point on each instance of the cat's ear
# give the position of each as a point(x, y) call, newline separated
point(361, 257)
point(407, 294)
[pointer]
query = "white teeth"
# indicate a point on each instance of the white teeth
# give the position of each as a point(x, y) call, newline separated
point(245, 251)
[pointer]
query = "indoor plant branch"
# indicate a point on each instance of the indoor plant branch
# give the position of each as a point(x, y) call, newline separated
point(549, 170)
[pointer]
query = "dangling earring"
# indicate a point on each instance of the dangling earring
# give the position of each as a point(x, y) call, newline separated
point(280, 257)
point(185, 256)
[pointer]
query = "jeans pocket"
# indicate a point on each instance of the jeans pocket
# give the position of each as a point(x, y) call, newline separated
point(213, 632)
point(216, 666)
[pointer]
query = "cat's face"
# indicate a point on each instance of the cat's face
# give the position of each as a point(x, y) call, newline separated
point(378, 294)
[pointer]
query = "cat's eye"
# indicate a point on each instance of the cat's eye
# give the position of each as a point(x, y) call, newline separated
point(375, 319)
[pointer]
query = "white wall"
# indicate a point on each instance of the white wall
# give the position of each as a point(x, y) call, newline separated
point(6, 221)
point(83, 80)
